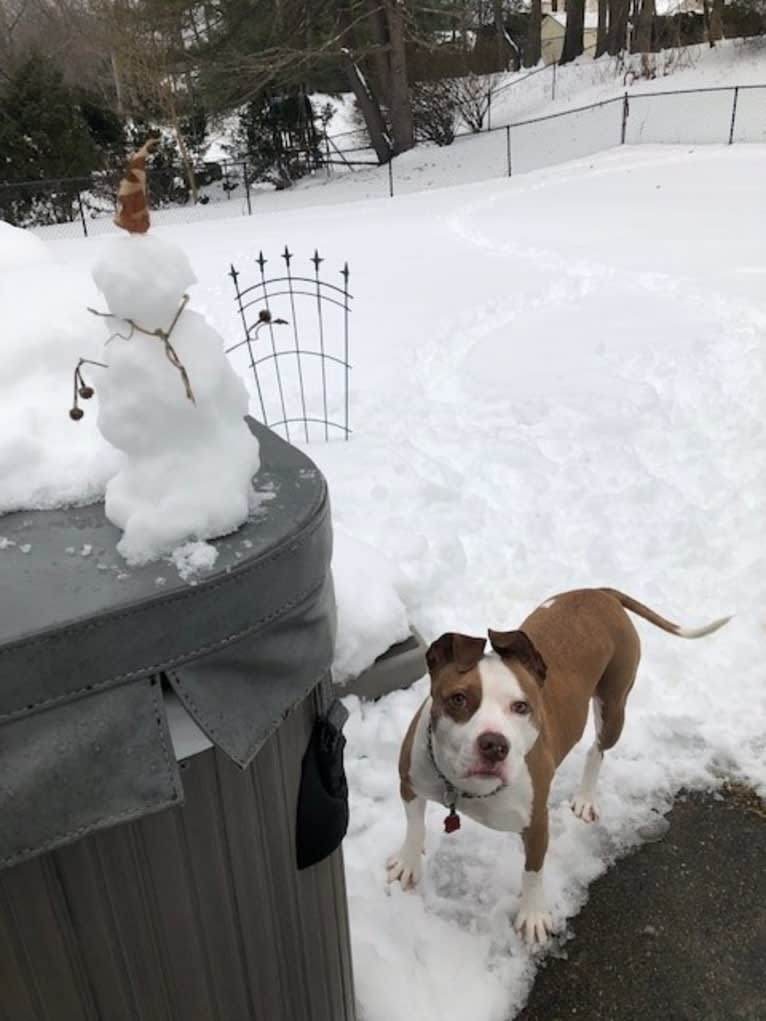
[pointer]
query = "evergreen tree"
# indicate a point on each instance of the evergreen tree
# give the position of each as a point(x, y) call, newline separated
point(43, 135)
point(43, 126)
point(276, 136)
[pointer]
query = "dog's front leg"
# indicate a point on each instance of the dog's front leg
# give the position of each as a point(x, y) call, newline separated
point(405, 866)
point(532, 920)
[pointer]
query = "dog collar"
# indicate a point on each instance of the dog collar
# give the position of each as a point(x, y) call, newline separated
point(452, 793)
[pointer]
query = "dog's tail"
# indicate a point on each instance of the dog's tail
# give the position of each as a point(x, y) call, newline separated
point(654, 618)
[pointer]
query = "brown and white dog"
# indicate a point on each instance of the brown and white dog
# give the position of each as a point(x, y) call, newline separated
point(495, 728)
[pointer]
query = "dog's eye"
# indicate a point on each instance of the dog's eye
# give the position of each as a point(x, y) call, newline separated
point(457, 700)
point(522, 708)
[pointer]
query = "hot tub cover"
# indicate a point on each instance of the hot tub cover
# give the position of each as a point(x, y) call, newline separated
point(85, 644)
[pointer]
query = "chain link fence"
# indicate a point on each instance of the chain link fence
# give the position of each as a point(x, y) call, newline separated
point(83, 206)
point(719, 114)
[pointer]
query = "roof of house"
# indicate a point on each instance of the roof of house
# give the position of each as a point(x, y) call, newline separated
point(591, 19)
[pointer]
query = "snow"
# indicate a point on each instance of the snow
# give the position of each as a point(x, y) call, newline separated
point(45, 459)
point(19, 249)
point(586, 80)
point(558, 381)
point(192, 558)
point(368, 626)
point(189, 458)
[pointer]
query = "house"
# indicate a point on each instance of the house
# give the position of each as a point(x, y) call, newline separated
point(553, 29)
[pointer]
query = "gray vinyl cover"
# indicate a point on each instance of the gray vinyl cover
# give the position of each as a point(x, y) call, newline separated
point(84, 641)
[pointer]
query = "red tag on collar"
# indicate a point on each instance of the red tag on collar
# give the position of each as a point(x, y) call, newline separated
point(452, 822)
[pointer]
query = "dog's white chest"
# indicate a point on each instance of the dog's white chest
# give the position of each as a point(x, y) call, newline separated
point(509, 810)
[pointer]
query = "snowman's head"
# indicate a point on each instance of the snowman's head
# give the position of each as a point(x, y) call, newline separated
point(143, 279)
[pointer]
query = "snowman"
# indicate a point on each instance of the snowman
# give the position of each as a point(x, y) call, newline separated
point(169, 399)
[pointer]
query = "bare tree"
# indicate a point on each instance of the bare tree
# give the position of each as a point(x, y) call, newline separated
point(146, 62)
point(471, 93)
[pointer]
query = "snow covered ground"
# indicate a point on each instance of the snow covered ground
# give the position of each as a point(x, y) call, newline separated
point(558, 381)
point(585, 81)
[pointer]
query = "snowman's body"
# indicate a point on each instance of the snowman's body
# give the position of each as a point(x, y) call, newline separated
point(187, 466)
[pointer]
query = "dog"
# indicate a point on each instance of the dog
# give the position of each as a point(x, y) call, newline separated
point(495, 727)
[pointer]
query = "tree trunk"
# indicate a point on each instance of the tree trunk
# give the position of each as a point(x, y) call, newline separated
point(532, 45)
point(601, 28)
point(502, 45)
point(645, 21)
point(706, 22)
point(368, 104)
point(183, 151)
point(400, 108)
point(716, 22)
point(120, 105)
point(573, 38)
point(373, 118)
point(464, 25)
point(618, 26)
point(378, 59)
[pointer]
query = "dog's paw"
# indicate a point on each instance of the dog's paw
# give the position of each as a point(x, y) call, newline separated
point(404, 867)
point(534, 926)
point(584, 808)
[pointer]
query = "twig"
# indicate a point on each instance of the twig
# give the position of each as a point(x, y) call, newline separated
point(164, 336)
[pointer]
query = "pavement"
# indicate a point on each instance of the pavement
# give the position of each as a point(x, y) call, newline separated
point(674, 932)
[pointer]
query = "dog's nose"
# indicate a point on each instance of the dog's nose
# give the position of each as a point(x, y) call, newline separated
point(493, 746)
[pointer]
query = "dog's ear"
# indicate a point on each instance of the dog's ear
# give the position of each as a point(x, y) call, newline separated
point(518, 645)
point(462, 650)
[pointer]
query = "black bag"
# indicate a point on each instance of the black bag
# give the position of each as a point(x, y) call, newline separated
point(322, 818)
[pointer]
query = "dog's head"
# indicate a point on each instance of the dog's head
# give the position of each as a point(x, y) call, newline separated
point(485, 709)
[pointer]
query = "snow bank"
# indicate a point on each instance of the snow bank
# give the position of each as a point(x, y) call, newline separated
point(45, 458)
point(19, 249)
point(371, 614)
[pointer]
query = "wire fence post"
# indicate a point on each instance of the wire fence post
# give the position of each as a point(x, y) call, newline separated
point(390, 177)
point(508, 147)
point(347, 367)
point(489, 110)
point(733, 114)
point(246, 181)
point(625, 111)
point(553, 83)
point(327, 155)
point(82, 214)
point(226, 187)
